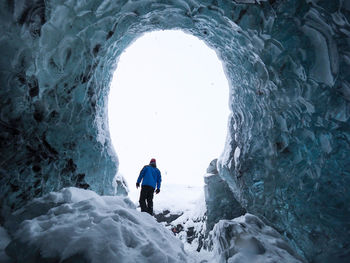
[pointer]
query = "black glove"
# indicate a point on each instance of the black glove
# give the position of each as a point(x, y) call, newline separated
point(157, 191)
point(137, 185)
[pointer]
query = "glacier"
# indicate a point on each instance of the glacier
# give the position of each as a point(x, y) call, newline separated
point(286, 159)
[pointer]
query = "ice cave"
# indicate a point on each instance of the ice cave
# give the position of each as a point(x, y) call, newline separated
point(282, 184)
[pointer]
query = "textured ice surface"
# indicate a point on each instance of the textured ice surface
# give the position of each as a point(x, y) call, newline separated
point(287, 156)
point(248, 239)
point(219, 199)
point(81, 226)
point(4, 241)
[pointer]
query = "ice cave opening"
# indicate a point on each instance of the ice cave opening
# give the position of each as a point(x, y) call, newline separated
point(287, 155)
point(168, 99)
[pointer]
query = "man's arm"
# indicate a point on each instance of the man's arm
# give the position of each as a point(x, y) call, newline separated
point(159, 180)
point(142, 174)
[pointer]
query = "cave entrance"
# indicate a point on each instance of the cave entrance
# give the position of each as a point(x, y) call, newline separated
point(168, 100)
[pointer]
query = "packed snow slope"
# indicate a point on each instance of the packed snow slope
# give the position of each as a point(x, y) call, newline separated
point(76, 225)
point(287, 62)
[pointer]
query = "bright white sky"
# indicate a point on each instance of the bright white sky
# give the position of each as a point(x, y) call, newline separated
point(169, 101)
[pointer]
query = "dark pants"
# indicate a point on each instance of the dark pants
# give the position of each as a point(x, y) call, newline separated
point(146, 199)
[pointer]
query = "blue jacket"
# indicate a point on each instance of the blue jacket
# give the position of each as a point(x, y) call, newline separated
point(150, 176)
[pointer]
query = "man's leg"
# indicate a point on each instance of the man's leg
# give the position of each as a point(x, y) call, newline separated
point(150, 200)
point(142, 200)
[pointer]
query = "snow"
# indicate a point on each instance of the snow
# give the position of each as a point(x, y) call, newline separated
point(188, 203)
point(195, 213)
point(76, 225)
point(176, 198)
point(81, 225)
point(194, 218)
point(248, 239)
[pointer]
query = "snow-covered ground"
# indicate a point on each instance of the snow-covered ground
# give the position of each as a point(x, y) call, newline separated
point(76, 225)
point(187, 203)
point(250, 240)
point(246, 239)
point(176, 198)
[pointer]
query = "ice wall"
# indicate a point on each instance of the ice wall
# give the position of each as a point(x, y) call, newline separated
point(219, 199)
point(288, 66)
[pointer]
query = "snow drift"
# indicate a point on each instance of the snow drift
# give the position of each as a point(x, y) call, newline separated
point(247, 239)
point(80, 226)
point(76, 225)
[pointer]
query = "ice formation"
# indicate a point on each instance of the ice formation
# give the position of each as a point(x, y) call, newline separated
point(287, 62)
point(219, 199)
point(4, 241)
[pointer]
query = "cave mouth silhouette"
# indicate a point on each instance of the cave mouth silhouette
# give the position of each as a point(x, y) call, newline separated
point(168, 98)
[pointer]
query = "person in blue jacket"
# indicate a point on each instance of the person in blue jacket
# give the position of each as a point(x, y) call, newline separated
point(151, 179)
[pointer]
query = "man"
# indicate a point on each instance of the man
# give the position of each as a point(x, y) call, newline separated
point(151, 178)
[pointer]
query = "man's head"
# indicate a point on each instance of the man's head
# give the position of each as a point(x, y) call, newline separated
point(153, 162)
